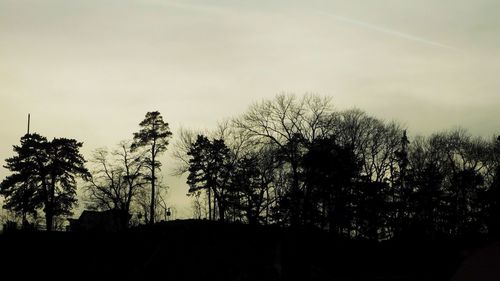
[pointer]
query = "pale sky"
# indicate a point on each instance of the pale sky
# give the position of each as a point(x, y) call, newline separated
point(91, 69)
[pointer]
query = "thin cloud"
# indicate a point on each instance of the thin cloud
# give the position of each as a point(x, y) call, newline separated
point(399, 34)
point(189, 6)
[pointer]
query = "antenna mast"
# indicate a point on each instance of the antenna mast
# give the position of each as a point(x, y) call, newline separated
point(29, 123)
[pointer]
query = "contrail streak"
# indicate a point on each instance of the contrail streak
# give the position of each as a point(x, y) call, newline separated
point(388, 31)
point(189, 6)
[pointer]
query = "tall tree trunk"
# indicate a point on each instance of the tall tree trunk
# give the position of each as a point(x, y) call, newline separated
point(49, 220)
point(214, 208)
point(127, 206)
point(209, 204)
point(153, 179)
point(219, 205)
point(49, 204)
point(295, 206)
point(267, 204)
point(222, 210)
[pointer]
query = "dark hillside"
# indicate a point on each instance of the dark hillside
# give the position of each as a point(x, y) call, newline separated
point(203, 250)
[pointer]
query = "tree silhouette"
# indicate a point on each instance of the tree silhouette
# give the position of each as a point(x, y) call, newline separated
point(44, 174)
point(210, 169)
point(288, 122)
point(329, 172)
point(22, 188)
point(346, 171)
point(116, 178)
point(492, 195)
point(250, 184)
point(154, 137)
point(424, 206)
point(401, 190)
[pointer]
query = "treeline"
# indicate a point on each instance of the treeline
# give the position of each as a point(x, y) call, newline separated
point(295, 161)
point(45, 174)
point(290, 161)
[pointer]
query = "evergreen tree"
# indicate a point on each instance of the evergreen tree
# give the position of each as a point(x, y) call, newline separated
point(154, 137)
point(44, 174)
point(210, 169)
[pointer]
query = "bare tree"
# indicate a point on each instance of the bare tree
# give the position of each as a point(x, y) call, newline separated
point(289, 122)
point(117, 178)
point(198, 205)
point(165, 210)
point(181, 146)
point(142, 203)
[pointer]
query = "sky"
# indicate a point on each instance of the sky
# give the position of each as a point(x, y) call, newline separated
point(91, 69)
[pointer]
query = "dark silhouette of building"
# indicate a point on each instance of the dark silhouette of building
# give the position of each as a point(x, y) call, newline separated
point(97, 221)
point(9, 226)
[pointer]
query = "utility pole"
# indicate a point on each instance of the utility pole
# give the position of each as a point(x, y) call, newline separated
point(29, 123)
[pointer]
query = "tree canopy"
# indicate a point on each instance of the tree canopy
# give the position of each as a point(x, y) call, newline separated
point(43, 175)
point(298, 161)
point(154, 137)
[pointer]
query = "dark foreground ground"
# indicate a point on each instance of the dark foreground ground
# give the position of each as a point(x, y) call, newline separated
point(201, 250)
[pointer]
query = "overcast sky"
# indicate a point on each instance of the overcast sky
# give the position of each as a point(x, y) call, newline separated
point(91, 69)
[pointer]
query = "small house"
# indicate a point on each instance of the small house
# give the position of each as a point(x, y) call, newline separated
point(100, 221)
